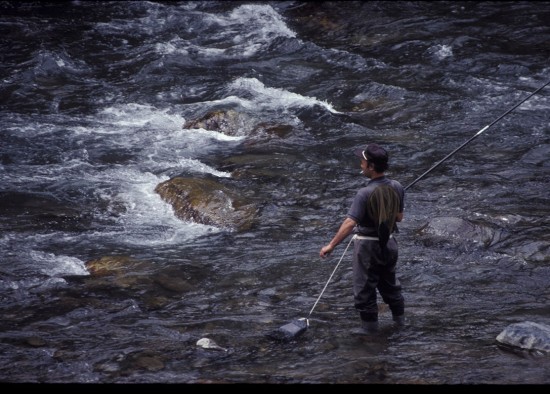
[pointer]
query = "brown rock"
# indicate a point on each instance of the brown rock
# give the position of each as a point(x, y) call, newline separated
point(207, 202)
point(109, 265)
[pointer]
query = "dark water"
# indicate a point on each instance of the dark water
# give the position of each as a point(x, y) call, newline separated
point(93, 96)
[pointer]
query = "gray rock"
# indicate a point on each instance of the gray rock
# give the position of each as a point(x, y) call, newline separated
point(457, 230)
point(207, 343)
point(526, 335)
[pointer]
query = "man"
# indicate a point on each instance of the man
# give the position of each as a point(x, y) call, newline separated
point(372, 218)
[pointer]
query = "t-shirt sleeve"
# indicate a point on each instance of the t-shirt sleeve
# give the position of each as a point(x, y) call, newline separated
point(401, 192)
point(358, 206)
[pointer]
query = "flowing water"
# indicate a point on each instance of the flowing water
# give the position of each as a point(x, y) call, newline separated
point(93, 99)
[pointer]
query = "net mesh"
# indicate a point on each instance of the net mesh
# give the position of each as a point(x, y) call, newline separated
point(383, 206)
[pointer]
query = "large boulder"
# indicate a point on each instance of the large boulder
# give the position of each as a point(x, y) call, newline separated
point(207, 202)
point(526, 336)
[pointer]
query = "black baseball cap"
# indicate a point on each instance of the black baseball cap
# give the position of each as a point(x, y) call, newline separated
point(373, 152)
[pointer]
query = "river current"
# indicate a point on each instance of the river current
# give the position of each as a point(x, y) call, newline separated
point(93, 101)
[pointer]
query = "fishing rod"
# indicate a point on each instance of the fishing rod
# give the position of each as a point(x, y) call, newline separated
point(476, 135)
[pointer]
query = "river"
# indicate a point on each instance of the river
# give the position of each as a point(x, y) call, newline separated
point(93, 99)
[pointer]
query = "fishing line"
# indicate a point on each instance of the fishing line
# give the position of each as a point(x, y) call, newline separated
point(298, 326)
point(476, 135)
point(335, 268)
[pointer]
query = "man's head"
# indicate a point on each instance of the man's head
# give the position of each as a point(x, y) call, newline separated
point(374, 154)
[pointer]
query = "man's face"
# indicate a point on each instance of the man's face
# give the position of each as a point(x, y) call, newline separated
point(365, 168)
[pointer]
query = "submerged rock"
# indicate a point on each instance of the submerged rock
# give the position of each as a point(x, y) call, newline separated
point(457, 230)
point(527, 336)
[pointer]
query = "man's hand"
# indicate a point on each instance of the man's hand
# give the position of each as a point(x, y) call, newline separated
point(326, 250)
point(345, 229)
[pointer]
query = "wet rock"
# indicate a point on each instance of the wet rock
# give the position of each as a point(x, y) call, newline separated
point(526, 336)
point(233, 123)
point(457, 230)
point(207, 343)
point(153, 302)
point(155, 289)
point(111, 265)
point(120, 272)
point(147, 360)
point(538, 156)
point(149, 363)
point(151, 288)
point(207, 202)
point(35, 341)
point(272, 129)
point(172, 283)
point(228, 122)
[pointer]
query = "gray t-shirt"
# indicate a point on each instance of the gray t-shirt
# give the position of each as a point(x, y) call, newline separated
point(358, 210)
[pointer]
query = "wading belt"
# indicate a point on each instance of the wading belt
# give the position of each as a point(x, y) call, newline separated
point(367, 238)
